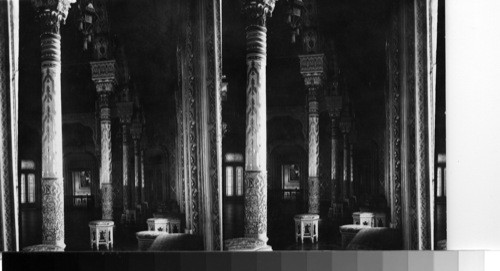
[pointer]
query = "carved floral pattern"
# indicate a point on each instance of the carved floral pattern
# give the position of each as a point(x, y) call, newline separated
point(255, 187)
point(53, 211)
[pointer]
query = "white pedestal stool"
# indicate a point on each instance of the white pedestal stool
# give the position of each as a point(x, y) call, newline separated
point(101, 233)
point(306, 226)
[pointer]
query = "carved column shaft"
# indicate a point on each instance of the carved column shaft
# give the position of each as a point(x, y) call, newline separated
point(126, 189)
point(103, 75)
point(351, 170)
point(313, 150)
point(143, 190)
point(334, 169)
point(345, 179)
point(52, 153)
point(136, 193)
point(9, 43)
point(255, 184)
point(106, 157)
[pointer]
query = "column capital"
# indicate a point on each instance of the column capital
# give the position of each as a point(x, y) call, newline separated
point(124, 111)
point(55, 10)
point(334, 105)
point(257, 11)
point(312, 68)
point(136, 130)
point(104, 75)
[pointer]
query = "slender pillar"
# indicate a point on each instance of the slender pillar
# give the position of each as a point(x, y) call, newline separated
point(126, 189)
point(345, 178)
point(136, 195)
point(334, 169)
point(124, 110)
point(255, 184)
point(50, 14)
point(313, 151)
point(345, 127)
point(312, 67)
point(143, 187)
point(9, 53)
point(351, 170)
point(103, 75)
point(334, 105)
point(136, 131)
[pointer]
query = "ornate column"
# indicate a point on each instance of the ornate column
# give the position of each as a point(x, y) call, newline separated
point(334, 104)
point(143, 179)
point(345, 127)
point(311, 68)
point(255, 184)
point(9, 72)
point(136, 131)
point(103, 75)
point(50, 14)
point(352, 139)
point(124, 110)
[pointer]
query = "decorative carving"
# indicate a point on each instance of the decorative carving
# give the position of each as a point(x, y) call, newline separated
point(104, 75)
point(313, 195)
point(255, 186)
point(106, 170)
point(107, 201)
point(395, 112)
point(409, 136)
point(257, 11)
point(51, 13)
point(422, 144)
point(9, 34)
point(53, 211)
point(215, 88)
point(312, 64)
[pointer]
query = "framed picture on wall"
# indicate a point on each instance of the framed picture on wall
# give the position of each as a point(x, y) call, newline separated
point(85, 179)
point(294, 173)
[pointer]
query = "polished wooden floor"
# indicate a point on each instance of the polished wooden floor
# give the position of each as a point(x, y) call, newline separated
point(280, 227)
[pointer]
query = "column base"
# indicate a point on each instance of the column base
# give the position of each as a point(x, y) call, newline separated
point(246, 244)
point(43, 248)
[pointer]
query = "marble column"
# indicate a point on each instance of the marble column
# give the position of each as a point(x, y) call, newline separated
point(124, 111)
point(312, 67)
point(103, 75)
point(50, 15)
point(334, 105)
point(126, 189)
point(351, 171)
point(334, 159)
point(143, 187)
point(345, 175)
point(136, 131)
point(9, 53)
point(255, 184)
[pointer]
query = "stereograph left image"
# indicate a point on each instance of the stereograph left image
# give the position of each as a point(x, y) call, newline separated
point(214, 125)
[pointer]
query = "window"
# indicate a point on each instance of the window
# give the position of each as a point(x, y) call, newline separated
point(239, 181)
point(439, 182)
point(27, 182)
point(23, 188)
point(444, 182)
point(31, 188)
point(229, 181)
point(234, 174)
